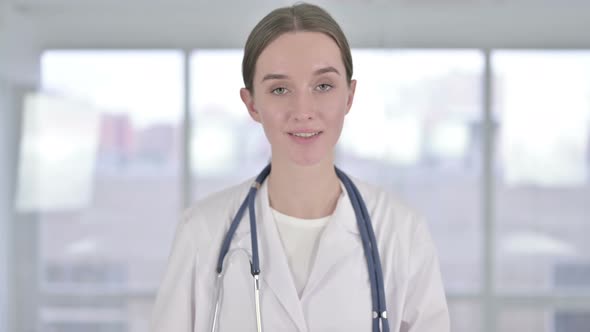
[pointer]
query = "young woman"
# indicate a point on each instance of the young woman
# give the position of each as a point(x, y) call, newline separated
point(302, 247)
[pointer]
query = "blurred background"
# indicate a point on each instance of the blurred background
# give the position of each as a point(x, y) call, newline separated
point(116, 115)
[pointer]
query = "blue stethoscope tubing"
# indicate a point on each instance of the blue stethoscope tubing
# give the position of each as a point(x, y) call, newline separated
point(367, 236)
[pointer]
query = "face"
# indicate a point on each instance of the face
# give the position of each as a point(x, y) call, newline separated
point(300, 97)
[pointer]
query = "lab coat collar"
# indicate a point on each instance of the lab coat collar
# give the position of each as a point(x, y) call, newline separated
point(344, 215)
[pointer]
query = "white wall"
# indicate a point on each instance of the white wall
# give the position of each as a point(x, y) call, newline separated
point(143, 23)
point(4, 204)
point(4, 179)
point(7, 174)
point(18, 69)
point(18, 46)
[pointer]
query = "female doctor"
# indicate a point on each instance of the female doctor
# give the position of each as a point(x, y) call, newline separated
point(301, 247)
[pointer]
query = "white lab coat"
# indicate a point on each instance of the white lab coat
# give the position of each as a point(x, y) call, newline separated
point(337, 296)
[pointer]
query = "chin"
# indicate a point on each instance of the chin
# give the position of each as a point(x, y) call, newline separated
point(309, 160)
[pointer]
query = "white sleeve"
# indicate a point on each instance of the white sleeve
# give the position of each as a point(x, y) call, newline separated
point(425, 307)
point(175, 303)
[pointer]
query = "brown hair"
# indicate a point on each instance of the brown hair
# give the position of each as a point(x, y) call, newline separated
point(299, 17)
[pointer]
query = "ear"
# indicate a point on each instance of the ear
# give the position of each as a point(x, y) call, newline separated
point(351, 90)
point(248, 100)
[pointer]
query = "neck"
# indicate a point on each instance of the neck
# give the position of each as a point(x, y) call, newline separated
point(309, 192)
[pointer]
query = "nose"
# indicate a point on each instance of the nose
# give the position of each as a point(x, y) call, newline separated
point(304, 107)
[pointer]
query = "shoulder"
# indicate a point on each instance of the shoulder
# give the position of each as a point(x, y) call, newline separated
point(401, 231)
point(390, 214)
point(211, 214)
point(381, 200)
point(226, 198)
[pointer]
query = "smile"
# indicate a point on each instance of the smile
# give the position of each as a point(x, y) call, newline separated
point(305, 135)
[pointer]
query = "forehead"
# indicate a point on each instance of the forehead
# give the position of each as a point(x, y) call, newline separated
point(298, 53)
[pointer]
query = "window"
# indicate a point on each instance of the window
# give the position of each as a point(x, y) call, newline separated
point(541, 176)
point(127, 108)
point(542, 140)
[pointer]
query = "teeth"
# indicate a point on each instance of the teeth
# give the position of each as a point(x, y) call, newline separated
point(305, 134)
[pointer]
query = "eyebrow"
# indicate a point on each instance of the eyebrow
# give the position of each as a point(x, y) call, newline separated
point(320, 71)
point(324, 70)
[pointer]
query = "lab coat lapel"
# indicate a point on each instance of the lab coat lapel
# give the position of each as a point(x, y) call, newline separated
point(275, 271)
point(340, 240)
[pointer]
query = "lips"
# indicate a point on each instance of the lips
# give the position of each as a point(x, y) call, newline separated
point(305, 135)
point(304, 131)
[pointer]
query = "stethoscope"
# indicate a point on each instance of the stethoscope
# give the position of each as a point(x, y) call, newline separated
point(367, 237)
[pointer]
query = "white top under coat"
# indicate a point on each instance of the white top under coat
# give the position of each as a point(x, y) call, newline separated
point(300, 238)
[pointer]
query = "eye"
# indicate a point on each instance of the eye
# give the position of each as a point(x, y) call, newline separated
point(324, 87)
point(279, 91)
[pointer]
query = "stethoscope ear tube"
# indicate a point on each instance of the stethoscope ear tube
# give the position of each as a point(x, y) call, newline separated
point(236, 221)
point(382, 313)
point(371, 254)
point(255, 266)
point(230, 234)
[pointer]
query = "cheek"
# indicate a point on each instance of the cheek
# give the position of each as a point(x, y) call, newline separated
point(271, 117)
point(335, 118)
point(334, 109)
